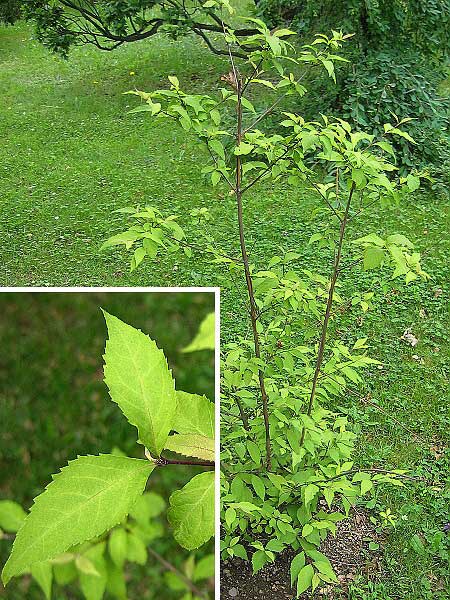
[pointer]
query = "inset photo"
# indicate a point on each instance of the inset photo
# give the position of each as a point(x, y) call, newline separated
point(107, 444)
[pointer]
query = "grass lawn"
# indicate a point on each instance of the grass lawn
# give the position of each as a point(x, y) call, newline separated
point(71, 155)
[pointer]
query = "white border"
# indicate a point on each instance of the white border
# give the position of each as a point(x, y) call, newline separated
point(216, 292)
point(148, 289)
point(217, 448)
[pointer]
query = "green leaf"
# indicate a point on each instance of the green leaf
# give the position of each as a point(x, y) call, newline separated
point(191, 444)
point(304, 579)
point(194, 414)
point(140, 382)
point(243, 149)
point(324, 567)
point(206, 335)
point(136, 550)
point(413, 183)
point(230, 516)
point(310, 492)
point(254, 452)
point(93, 586)
point(127, 238)
point(204, 569)
point(12, 515)
point(146, 507)
point(259, 486)
point(259, 559)
point(373, 257)
point(329, 66)
point(366, 485)
point(43, 575)
point(417, 544)
point(115, 583)
point(297, 565)
point(65, 573)
point(86, 566)
point(191, 511)
point(117, 546)
point(83, 501)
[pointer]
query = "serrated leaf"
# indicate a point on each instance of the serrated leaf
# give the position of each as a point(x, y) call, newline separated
point(140, 382)
point(190, 444)
point(12, 515)
point(117, 546)
point(191, 511)
point(206, 335)
point(42, 573)
point(89, 496)
point(259, 559)
point(194, 414)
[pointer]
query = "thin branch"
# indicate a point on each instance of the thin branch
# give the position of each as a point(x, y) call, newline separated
point(245, 259)
point(323, 336)
point(178, 573)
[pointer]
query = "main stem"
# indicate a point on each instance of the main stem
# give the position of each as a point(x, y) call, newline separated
point(323, 336)
point(248, 277)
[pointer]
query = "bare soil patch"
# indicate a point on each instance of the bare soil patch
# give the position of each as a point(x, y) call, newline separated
point(348, 552)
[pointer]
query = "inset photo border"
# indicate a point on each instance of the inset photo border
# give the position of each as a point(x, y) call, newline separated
point(109, 412)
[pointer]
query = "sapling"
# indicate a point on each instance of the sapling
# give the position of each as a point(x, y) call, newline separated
point(287, 461)
point(96, 514)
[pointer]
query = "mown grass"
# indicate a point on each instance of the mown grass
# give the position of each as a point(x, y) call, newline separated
point(71, 156)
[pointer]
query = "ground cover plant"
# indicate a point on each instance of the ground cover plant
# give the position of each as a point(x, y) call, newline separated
point(155, 162)
point(99, 492)
point(285, 453)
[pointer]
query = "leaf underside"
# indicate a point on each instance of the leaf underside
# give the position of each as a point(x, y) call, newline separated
point(140, 382)
point(199, 446)
point(89, 496)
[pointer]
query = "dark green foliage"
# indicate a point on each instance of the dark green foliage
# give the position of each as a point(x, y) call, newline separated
point(386, 84)
point(417, 24)
point(10, 11)
point(396, 66)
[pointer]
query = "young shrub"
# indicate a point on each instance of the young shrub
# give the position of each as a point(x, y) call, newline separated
point(287, 457)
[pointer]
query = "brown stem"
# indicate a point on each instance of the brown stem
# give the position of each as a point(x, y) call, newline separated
point(162, 461)
point(244, 418)
point(167, 565)
point(326, 319)
point(248, 277)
